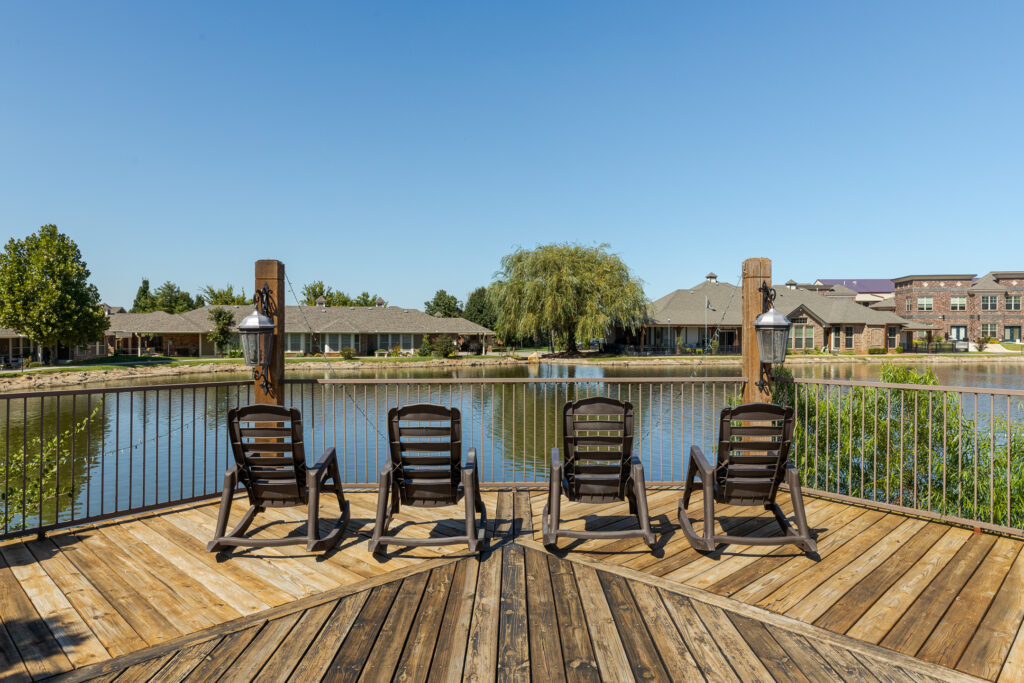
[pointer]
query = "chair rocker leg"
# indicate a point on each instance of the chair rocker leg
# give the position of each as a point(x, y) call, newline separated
point(706, 542)
point(551, 515)
point(639, 505)
point(803, 533)
point(314, 541)
point(384, 512)
point(476, 539)
point(227, 496)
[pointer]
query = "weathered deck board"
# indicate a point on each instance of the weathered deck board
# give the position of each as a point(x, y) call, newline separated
point(145, 587)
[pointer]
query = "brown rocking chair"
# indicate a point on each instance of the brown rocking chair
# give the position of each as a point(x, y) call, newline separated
point(270, 462)
point(599, 467)
point(753, 459)
point(426, 470)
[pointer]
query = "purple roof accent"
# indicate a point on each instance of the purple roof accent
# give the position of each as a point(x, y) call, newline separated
point(861, 286)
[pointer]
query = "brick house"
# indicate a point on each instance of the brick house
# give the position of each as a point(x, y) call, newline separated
point(677, 321)
point(964, 307)
point(308, 329)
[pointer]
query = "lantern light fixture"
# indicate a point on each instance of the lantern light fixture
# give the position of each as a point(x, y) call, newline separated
point(772, 329)
point(257, 335)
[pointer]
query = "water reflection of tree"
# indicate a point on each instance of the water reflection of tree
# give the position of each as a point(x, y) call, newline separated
point(49, 447)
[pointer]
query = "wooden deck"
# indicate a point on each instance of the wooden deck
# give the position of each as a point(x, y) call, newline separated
point(891, 598)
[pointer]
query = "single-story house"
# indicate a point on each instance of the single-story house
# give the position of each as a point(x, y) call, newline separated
point(710, 315)
point(308, 329)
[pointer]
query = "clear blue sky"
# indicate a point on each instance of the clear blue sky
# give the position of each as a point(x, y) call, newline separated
point(405, 147)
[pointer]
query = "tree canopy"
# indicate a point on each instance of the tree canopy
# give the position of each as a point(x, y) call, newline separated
point(223, 325)
point(168, 297)
point(444, 303)
point(573, 291)
point(333, 297)
point(223, 296)
point(479, 309)
point(45, 292)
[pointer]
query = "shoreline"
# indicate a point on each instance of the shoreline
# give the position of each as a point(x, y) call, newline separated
point(65, 378)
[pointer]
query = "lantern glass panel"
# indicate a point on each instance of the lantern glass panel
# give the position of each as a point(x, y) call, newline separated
point(267, 337)
point(250, 347)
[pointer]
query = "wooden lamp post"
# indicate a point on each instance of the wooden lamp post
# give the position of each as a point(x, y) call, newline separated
point(765, 331)
point(262, 333)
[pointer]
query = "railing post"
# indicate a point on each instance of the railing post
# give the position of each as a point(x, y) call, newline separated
point(755, 271)
point(271, 273)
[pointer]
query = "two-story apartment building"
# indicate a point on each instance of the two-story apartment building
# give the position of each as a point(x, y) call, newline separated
point(964, 307)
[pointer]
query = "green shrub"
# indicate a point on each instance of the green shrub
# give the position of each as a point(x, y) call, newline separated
point(33, 364)
point(426, 347)
point(348, 353)
point(982, 342)
point(444, 347)
point(395, 351)
point(234, 353)
point(898, 349)
point(876, 351)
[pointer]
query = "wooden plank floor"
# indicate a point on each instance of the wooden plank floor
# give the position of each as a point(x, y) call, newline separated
point(891, 598)
point(91, 593)
point(520, 613)
point(939, 593)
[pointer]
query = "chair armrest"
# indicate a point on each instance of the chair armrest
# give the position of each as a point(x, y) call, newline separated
point(470, 459)
point(697, 458)
point(319, 469)
point(635, 462)
point(556, 458)
point(328, 455)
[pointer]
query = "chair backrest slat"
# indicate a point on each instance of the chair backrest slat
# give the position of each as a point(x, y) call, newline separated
point(598, 445)
point(753, 448)
point(273, 472)
point(425, 442)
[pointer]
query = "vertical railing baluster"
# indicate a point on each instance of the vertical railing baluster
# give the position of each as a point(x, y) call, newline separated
point(917, 431)
point(56, 492)
point(992, 458)
point(976, 512)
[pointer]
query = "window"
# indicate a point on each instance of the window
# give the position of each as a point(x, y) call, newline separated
point(295, 342)
point(1013, 302)
point(988, 302)
point(988, 330)
point(892, 334)
point(924, 303)
point(801, 337)
point(848, 337)
point(387, 342)
point(1012, 333)
point(958, 303)
point(334, 343)
point(908, 304)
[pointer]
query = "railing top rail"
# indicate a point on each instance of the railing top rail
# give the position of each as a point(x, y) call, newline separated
point(532, 380)
point(911, 387)
point(120, 390)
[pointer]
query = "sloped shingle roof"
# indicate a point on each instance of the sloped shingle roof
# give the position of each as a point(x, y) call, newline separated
point(687, 306)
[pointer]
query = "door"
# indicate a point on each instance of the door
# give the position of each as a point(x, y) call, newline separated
point(958, 332)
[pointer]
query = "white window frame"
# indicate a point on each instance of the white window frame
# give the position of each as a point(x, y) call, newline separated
point(958, 303)
point(993, 330)
point(925, 303)
point(989, 302)
point(386, 341)
point(296, 342)
point(1012, 302)
point(955, 332)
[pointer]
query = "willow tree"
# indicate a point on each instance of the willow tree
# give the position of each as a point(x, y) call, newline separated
point(572, 291)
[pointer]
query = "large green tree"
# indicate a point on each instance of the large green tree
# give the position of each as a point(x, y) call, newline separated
point(45, 292)
point(167, 297)
point(316, 289)
point(216, 296)
point(573, 291)
point(143, 298)
point(479, 309)
point(223, 325)
point(444, 303)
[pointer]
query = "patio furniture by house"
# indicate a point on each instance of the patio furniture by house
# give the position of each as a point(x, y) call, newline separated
point(599, 467)
point(753, 459)
point(426, 470)
point(270, 462)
